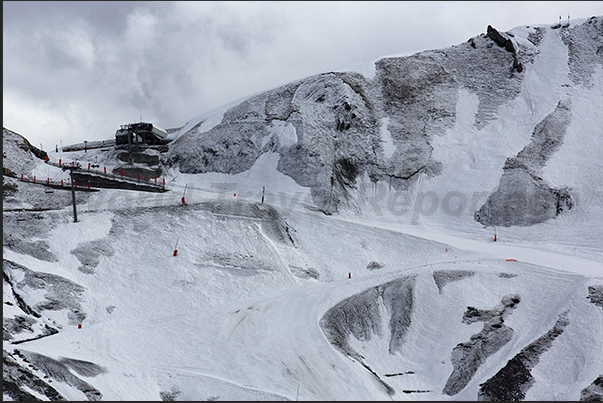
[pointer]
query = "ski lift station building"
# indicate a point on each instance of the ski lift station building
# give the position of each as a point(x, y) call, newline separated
point(141, 132)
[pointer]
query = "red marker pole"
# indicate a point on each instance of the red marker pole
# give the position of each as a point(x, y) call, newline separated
point(105, 169)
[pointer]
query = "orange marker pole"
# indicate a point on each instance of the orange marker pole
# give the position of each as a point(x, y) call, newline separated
point(176, 247)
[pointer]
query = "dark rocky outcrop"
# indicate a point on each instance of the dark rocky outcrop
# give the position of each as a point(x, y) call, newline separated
point(506, 43)
point(467, 357)
point(513, 381)
point(443, 277)
point(360, 316)
point(594, 391)
point(522, 197)
point(595, 295)
point(89, 254)
point(584, 53)
point(500, 39)
point(59, 293)
point(18, 382)
point(59, 370)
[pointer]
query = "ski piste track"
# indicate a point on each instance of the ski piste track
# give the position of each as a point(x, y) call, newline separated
point(495, 250)
point(264, 311)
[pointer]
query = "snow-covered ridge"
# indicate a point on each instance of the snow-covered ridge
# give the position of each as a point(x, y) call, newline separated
point(356, 131)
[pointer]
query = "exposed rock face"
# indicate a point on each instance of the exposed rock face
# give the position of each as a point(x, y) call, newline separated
point(506, 43)
point(595, 295)
point(500, 39)
point(89, 254)
point(18, 382)
point(59, 293)
point(335, 129)
point(594, 391)
point(339, 133)
point(361, 316)
point(443, 277)
point(522, 197)
point(467, 357)
point(58, 370)
point(513, 381)
point(585, 50)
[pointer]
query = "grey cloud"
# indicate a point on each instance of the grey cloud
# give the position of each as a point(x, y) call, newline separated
point(200, 55)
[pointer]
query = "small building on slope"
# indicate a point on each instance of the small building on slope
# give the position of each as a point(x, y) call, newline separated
point(140, 133)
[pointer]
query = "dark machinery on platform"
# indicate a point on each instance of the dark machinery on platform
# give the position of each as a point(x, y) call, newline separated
point(140, 133)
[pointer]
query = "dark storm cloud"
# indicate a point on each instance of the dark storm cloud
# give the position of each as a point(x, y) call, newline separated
point(74, 69)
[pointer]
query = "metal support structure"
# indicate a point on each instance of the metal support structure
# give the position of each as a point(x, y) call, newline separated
point(130, 147)
point(71, 169)
point(73, 195)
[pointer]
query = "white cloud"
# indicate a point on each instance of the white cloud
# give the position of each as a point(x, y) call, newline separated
point(141, 29)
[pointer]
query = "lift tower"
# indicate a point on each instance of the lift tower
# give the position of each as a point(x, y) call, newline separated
point(71, 168)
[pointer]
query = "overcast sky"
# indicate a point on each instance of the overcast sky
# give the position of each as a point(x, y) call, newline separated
point(77, 70)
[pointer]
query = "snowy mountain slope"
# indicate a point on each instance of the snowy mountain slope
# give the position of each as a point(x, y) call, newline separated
point(243, 305)
point(481, 112)
point(396, 293)
point(338, 117)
